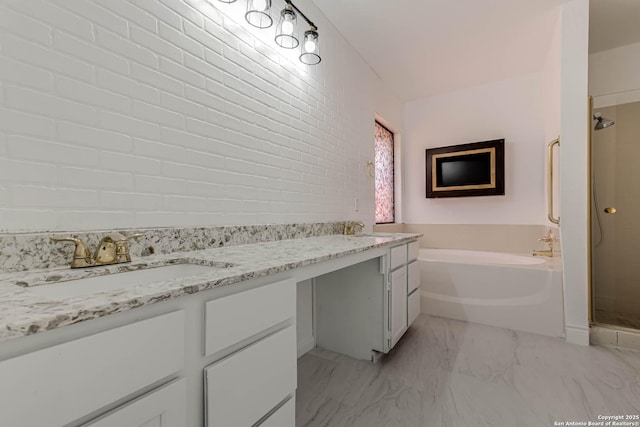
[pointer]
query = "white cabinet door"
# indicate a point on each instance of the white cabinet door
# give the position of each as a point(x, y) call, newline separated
point(70, 380)
point(165, 407)
point(244, 387)
point(398, 304)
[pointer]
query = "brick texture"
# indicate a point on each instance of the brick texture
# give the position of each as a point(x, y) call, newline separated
point(136, 113)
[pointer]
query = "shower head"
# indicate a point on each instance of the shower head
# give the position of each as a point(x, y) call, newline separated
point(603, 122)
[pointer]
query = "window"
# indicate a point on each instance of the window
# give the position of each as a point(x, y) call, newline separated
point(385, 210)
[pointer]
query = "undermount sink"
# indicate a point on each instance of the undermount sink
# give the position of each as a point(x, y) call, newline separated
point(118, 281)
point(375, 235)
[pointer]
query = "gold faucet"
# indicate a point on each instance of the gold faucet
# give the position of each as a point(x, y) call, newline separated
point(349, 228)
point(549, 239)
point(81, 255)
point(113, 249)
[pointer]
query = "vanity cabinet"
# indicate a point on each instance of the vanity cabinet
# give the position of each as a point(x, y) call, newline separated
point(405, 289)
point(239, 342)
point(225, 357)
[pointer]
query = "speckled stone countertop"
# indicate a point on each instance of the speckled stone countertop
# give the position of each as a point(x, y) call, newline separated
point(24, 313)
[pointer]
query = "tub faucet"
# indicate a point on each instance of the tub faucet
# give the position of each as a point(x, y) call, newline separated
point(349, 228)
point(549, 239)
point(113, 249)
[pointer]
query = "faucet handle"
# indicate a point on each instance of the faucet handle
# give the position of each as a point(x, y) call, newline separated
point(549, 239)
point(81, 254)
point(349, 227)
point(122, 245)
point(119, 237)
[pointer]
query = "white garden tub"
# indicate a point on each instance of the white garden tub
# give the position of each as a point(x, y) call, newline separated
point(500, 289)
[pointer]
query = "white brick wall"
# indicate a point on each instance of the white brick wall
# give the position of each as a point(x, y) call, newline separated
point(144, 113)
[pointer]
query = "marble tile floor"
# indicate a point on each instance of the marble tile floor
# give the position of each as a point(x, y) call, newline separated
point(627, 320)
point(452, 373)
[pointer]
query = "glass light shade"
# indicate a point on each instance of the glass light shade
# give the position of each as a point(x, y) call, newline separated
point(310, 49)
point(258, 13)
point(227, 1)
point(286, 29)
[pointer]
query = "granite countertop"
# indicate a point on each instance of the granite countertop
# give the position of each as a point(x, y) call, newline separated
point(24, 313)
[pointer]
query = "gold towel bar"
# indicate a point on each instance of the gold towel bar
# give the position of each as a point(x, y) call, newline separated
point(553, 219)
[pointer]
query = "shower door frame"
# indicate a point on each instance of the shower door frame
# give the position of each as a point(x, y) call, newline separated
point(591, 293)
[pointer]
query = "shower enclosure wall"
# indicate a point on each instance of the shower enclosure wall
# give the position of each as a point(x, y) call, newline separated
point(615, 204)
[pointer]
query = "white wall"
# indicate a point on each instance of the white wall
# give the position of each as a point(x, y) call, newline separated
point(614, 70)
point(511, 109)
point(551, 75)
point(574, 168)
point(140, 113)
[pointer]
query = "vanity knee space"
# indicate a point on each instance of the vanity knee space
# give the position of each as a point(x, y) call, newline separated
point(364, 309)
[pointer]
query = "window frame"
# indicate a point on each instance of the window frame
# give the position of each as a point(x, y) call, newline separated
point(379, 122)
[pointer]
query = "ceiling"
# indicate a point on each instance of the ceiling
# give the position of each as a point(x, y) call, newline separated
point(424, 47)
point(613, 23)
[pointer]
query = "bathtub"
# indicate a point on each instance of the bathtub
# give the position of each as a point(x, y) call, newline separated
point(499, 289)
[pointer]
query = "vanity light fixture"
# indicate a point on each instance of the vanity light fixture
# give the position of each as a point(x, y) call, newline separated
point(310, 49)
point(259, 15)
point(285, 31)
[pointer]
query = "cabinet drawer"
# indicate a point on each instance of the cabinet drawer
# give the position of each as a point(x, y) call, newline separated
point(398, 256)
point(112, 364)
point(164, 407)
point(413, 280)
point(414, 306)
point(413, 250)
point(244, 387)
point(285, 416)
point(234, 318)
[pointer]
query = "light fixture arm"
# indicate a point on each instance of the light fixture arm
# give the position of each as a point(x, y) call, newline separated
point(287, 36)
point(311, 24)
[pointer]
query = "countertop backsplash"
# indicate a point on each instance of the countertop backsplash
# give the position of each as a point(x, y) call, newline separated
point(32, 251)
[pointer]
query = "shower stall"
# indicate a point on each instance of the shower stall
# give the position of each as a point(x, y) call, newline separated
point(615, 210)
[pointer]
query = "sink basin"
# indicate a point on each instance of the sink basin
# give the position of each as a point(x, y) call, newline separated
point(118, 281)
point(375, 235)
